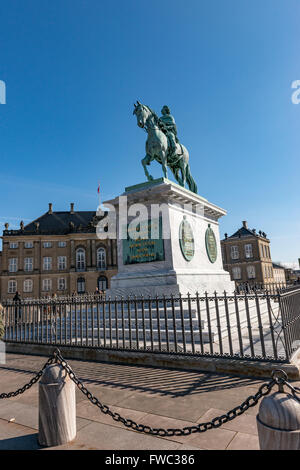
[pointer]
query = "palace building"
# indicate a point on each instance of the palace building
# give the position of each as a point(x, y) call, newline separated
point(58, 253)
point(246, 255)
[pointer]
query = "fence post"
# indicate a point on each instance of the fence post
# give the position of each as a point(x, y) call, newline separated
point(278, 422)
point(57, 407)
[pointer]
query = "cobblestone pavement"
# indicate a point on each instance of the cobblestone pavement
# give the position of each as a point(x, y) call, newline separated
point(154, 396)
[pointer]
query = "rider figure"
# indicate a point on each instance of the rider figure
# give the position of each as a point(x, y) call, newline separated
point(169, 127)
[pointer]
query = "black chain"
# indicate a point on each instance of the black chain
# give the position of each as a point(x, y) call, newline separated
point(35, 379)
point(279, 378)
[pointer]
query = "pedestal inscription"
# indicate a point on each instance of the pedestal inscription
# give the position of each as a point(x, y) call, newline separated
point(148, 247)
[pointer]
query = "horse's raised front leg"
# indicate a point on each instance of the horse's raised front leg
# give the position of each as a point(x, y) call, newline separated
point(146, 161)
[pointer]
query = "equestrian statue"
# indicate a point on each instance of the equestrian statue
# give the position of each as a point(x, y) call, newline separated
point(163, 145)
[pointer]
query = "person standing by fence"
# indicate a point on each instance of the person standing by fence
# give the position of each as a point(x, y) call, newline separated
point(17, 300)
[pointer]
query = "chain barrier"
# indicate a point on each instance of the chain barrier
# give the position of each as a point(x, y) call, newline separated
point(35, 379)
point(279, 377)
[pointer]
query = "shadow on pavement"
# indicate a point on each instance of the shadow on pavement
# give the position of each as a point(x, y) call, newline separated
point(27, 442)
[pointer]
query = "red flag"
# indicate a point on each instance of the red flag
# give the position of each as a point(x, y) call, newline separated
point(98, 190)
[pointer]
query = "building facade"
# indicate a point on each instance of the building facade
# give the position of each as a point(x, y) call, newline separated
point(58, 253)
point(279, 274)
point(292, 276)
point(247, 257)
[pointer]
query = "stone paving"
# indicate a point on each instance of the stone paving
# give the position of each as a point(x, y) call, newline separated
point(154, 396)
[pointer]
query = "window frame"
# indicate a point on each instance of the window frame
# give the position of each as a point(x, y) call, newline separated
point(248, 250)
point(101, 263)
point(251, 267)
point(28, 243)
point(234, 249)
point(49, 281)
point(102, 279)
point(234, 270)
point(80, 281)
point(13, 247)
point(31, 283)
point(64, 283)
point(47, 244)
point(80, 263)
point(14, 264)
point(45, 268)
point(9, 291)
point(61, 266)
point(25, 268)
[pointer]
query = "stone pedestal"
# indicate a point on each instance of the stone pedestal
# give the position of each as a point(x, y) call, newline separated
point(185, 259)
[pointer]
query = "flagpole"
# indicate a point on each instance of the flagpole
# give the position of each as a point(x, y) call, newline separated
point(99, 195)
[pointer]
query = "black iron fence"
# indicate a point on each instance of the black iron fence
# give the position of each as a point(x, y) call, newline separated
point(261, 326)
point(272, 288)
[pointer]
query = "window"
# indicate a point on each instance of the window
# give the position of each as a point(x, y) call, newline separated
point(234, 250)
point(47, 263)
point(47, 284)
point(13, 265)
point(62, 262)
point(28, 285)
point(236, 273)
point(28, 264)
point(62, 244)
point(248, 251)
point(28, 244)
point(13, 245)
point(251, 272)
point(101, 258)
point(270, 272)
point(12, 287)
point(262, 251)
point(61, 283)
point(47, 244)
point(80, 259)
point(102, 283)
point(80, 285)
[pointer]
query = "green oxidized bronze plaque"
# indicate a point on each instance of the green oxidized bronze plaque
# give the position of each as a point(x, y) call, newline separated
point(211, 244)
point(186, 239)
point(144, 249)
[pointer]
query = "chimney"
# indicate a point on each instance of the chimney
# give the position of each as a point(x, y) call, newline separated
point(72, 208)
point(50, 208)
point(245, 224)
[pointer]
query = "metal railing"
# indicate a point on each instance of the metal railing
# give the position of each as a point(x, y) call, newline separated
point(272, 288)
point(260, 326)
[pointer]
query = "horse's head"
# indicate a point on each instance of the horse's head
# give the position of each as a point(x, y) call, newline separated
point(142, 113)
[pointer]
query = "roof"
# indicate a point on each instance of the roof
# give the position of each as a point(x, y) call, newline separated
point(278, 266)
point(59, 223)
point(244, 232)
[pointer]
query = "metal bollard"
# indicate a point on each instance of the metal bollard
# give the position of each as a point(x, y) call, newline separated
point(278, 422)
point(57, 407)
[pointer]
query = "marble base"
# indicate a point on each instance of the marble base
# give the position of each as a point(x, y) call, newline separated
point(174, 274)
point(168, 283)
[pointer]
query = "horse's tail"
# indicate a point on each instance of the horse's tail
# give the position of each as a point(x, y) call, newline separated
point(190, 180)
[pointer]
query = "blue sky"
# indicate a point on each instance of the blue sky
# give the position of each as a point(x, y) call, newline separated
point(73, 69)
